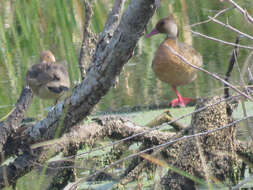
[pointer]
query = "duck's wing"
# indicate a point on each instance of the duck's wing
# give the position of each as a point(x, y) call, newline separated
point(194, 57)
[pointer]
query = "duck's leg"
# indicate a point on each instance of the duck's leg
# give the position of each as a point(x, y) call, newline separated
point(181, 101)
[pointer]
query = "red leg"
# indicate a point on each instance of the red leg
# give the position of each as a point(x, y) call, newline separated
point(181, 101)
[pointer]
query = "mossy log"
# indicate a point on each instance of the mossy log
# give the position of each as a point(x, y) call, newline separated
point(211, 156)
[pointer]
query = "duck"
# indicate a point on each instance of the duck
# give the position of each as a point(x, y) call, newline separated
point(170, 68)
point(48, 79)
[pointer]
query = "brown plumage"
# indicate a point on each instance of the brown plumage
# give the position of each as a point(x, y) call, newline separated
point(167, 66)
point(47, 79)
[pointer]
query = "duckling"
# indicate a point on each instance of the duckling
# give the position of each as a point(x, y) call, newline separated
point(47, 79)
point(167, 66)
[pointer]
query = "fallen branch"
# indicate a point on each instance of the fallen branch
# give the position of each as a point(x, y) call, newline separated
point(112, 127)
point(166, 117)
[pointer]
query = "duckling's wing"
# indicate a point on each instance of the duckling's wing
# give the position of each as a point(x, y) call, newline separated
point(40, 74)
point(60, 74)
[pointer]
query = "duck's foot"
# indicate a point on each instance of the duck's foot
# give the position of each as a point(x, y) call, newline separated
point(181, 102)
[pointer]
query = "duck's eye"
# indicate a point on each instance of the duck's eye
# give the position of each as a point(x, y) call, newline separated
point(161, 23)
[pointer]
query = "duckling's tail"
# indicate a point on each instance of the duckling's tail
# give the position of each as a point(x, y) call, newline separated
point(58, 89)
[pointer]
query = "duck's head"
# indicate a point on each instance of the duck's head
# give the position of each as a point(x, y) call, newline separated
point(47, 57)
point(166, 26)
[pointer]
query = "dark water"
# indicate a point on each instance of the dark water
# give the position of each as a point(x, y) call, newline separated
point(59, 29)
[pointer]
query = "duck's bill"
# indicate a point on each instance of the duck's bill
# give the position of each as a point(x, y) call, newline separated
point(152, 33)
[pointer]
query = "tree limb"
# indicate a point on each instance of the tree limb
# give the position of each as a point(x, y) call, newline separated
point(87, 37)
point(102, 73)
point(16, 116)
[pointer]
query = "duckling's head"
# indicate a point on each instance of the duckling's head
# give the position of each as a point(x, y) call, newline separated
point(47, 57)
point(165, 26)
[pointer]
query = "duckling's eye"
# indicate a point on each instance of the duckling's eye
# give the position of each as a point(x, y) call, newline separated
point(162, 23)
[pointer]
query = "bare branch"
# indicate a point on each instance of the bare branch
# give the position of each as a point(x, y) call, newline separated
point(87, 37)
point(221, 41)
point(216, 15)
point(242, 11)
point(232, 28)
point(101, 73)
point(16, 116)
point(110, 26)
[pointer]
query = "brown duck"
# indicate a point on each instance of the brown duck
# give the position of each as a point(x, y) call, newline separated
point(167, 66)
point(47, 79)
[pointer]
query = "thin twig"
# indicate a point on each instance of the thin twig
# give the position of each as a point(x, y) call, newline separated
point(221, 41)
point(242, 11)
point(216, 15)
point(231, 28)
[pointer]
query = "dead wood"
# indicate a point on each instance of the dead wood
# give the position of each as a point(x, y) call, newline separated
point(112, 127)
point(207, 157)
point(101, 73)
point(11, 124)
point(166, 117)
point(213, 157)
point(89, 39)
point(65, 174)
